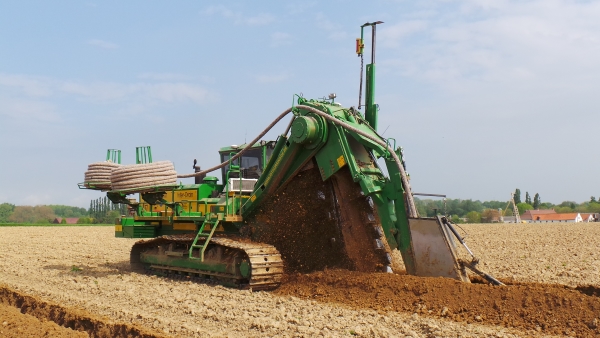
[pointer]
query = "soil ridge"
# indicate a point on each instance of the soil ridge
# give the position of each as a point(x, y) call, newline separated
point(76, 319)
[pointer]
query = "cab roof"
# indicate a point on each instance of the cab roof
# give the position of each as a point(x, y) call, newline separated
point(236, 148)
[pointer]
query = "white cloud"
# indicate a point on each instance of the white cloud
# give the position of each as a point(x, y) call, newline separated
point(521, 44)
point(172, 92)
point(162, 91)
point(239, 17)
point(164, 76)
point(274, 78)
point(37, 199)
point(334, 31)
point(26, 97)
point(98, 92)
point(301, 7)
point(280, 39)
point(102, 44)
point(390, 36)
point(27, 110)
point(175, 77)
point(259, 20)
point(105, 91)
point(32, 86)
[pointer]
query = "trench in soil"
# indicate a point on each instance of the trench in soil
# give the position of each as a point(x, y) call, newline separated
point(74, 319)
point(547, 308)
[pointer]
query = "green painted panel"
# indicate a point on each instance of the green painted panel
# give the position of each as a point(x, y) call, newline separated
point(184, 263)
point(139, 231)
point(127, 221)
point(331, 157)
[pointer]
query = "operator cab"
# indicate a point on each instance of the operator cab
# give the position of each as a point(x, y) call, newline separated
point(252, 162)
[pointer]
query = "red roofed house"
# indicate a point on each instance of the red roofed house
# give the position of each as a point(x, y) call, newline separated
point(58, 220)
point(573, 217)
point(530, 215)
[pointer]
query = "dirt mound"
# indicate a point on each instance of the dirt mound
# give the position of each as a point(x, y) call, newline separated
point(24, 323)
point(551, 309)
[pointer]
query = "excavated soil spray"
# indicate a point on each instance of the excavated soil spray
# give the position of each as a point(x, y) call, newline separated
point(318, 224)
point(551, 309)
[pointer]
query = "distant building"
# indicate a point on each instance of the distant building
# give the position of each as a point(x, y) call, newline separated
point(573, 217)
point(72, 220)
point(593, 217)
point(530, 215)
point(509, 219)
point(491, 216)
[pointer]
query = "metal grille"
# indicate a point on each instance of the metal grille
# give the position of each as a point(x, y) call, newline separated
point(247, 184)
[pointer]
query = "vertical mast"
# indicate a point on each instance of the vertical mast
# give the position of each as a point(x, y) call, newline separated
point(370, 105)
point(515, 209)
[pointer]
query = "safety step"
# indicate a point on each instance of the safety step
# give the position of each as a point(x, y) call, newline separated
point(203, 237)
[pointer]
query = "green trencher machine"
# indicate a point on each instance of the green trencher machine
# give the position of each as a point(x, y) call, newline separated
point(316, 197)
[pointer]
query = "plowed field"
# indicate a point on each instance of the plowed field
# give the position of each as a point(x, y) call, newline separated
point(79, 277)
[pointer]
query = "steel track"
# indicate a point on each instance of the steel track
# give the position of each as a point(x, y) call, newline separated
point(265, 263)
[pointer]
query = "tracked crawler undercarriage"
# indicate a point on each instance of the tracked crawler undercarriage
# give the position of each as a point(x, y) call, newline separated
point(227, 261)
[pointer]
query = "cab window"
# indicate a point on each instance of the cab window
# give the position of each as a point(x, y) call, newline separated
point(250, 164)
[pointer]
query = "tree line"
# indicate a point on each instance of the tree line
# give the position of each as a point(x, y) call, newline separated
point(101, 211)
point(475, 211)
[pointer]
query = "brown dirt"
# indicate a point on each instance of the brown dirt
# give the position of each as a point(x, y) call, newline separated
point(553, 309)
point(29, 316)
point(301, 222)
point(39, 261)
point(311, 219)
point(358, 232)
point(554, 253)
point(14, 324)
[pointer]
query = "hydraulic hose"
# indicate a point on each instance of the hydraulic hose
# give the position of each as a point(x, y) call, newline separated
point(412, 210)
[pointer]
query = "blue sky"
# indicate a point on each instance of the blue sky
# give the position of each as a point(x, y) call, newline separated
point(484, 96)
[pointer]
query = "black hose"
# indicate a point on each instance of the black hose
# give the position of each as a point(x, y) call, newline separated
point(449, 225)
